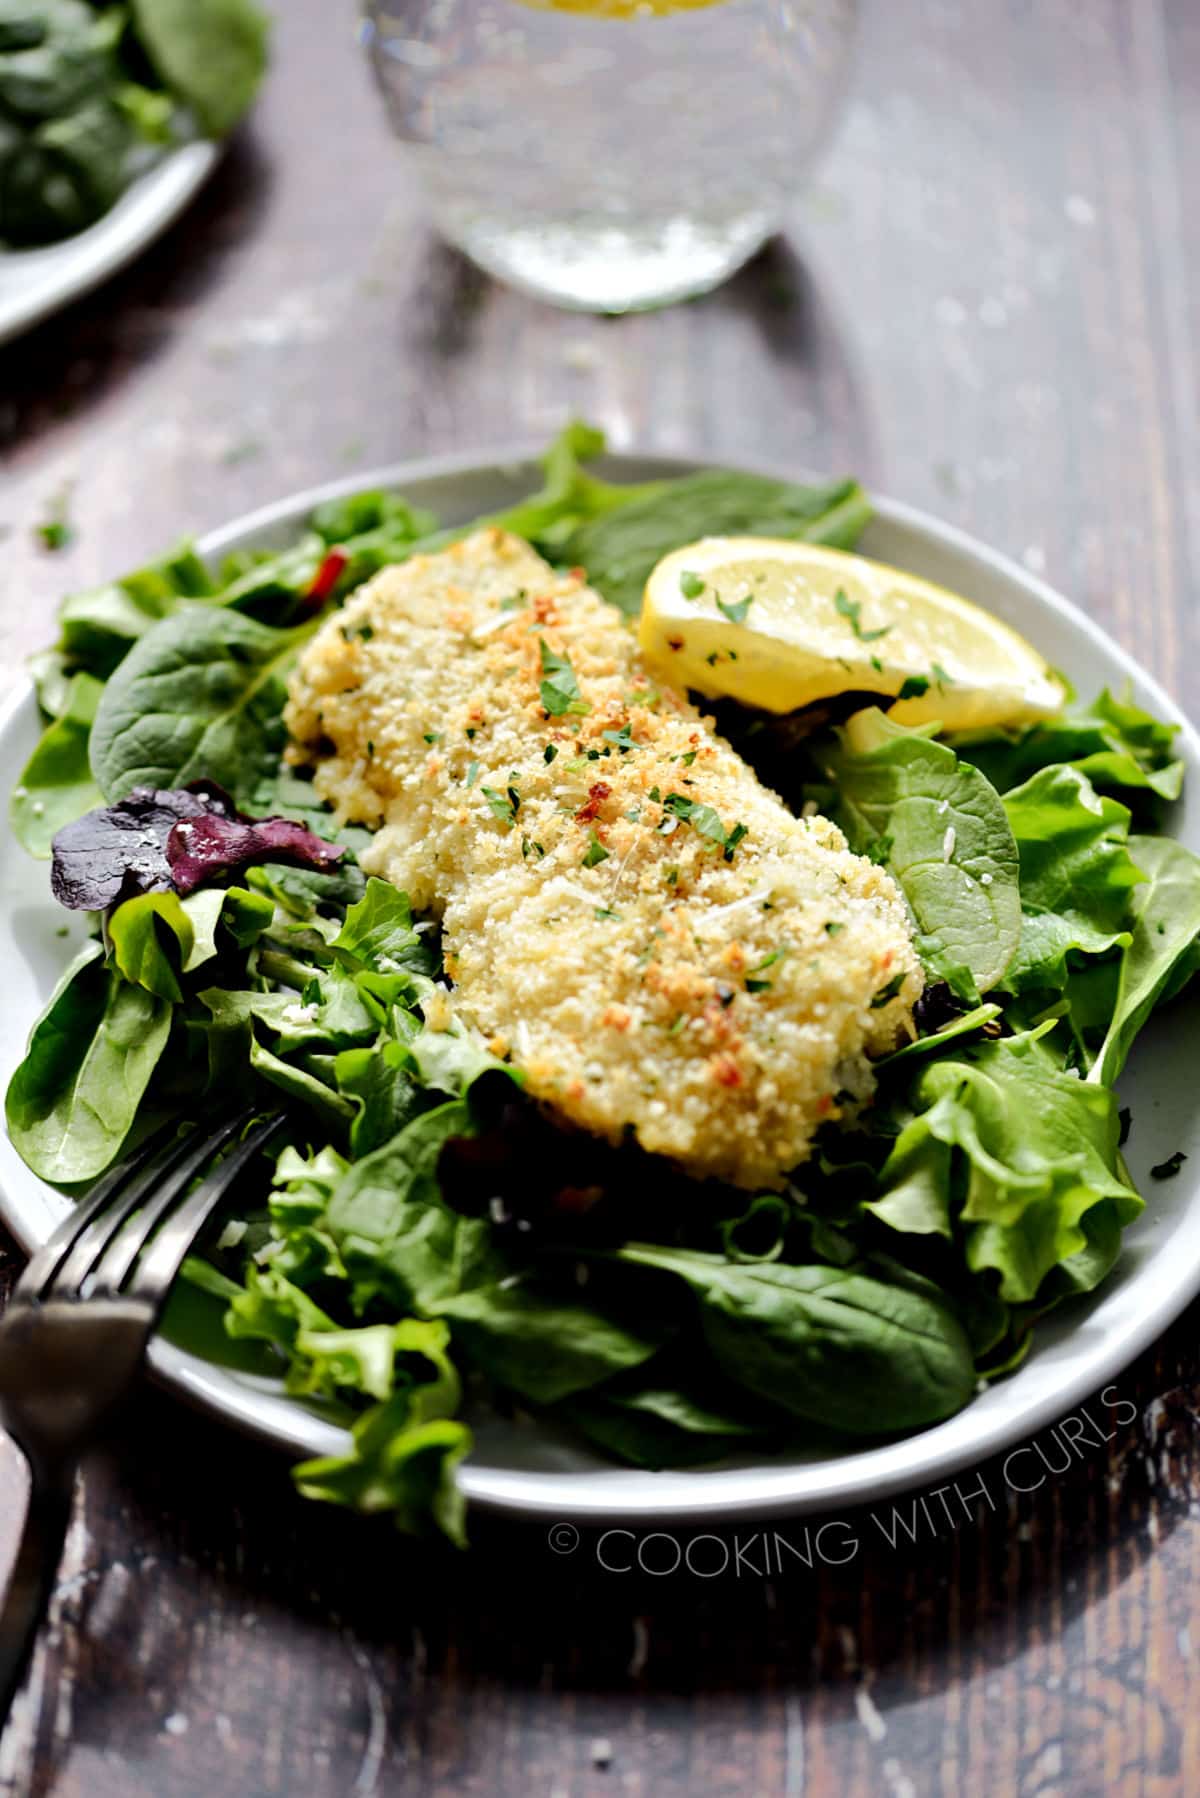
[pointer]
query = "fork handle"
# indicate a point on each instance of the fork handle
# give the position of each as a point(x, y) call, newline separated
point(34, 1576)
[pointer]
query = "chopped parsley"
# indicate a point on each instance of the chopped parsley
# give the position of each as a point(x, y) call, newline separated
point(620, 739)
point(678, 1024)
point(433, 736)
point(1167, 1170)
point(889, 991)
point(914, 686)
point(833, 928)
point(651, 949)
point(360, 633)
point(764, 986)
point(655, 795)
point(472, 774)
point(941, 677)
point(530, 847)
point(595, 851)
point(56, 530)
point(736, 613)
point(851, 609)
point(559, 689)
point(515, 601)
point(689, 758)
point(549, 753)
point(690, 585)
point(603, 915)
point(503, 806)
point(671, 876)
point(703, 820)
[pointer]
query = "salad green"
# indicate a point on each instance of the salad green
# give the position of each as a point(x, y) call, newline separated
point(91, 94)
point(428, 1241)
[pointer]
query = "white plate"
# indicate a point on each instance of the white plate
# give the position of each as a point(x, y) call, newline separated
point(34, 283)
point(532, 1472)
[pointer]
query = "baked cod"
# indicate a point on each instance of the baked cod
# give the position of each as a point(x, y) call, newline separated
point(629, 915)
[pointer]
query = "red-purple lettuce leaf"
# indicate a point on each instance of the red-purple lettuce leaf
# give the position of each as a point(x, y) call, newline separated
point(172, 840)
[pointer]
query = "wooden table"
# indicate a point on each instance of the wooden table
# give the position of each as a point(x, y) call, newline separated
point(988, 304)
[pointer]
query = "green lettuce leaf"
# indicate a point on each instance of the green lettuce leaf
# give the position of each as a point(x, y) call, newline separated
point(1163, 951)
point(56, 784)
point(1042, 1176)
point(1118, 746)
point(1077, 875)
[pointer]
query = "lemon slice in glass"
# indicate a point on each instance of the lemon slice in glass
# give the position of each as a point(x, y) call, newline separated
point(782, 625)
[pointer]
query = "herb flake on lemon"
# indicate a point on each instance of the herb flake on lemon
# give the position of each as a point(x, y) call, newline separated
point(781, 625)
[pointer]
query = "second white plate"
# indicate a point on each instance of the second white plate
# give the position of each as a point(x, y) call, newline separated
point(35, 283)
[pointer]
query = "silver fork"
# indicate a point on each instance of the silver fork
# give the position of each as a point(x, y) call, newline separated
point(77, 1325)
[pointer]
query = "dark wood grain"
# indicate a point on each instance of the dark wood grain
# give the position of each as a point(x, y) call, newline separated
point(988, 303)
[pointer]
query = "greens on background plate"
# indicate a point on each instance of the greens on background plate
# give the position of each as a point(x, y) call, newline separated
point(92, 95)
point(410, 1260)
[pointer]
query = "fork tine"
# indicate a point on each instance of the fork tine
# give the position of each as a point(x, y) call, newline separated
point(44, 1263)
point(176, 1165)
point(161, 1262)
point(173, 1167)
point(115, 1256)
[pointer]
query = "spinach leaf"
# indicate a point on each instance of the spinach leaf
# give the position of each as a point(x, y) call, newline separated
point(212, 53)
point(71, 1103)
point(56, 785)
point(1164, 950)
point(617, 532)
point(98, 628)
point(569, 495)
point(941, 830)
point(661, 1425)
point(198, 697)
point(542, 1345)
point(830, 1344)
point(621, 544)
point(1077, 875)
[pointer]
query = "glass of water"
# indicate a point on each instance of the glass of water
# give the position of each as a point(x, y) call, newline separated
point(610, 154)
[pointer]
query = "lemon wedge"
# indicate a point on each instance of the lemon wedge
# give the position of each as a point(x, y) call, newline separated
point(782, 625)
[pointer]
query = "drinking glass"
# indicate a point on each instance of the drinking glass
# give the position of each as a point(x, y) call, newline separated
point(609, 154)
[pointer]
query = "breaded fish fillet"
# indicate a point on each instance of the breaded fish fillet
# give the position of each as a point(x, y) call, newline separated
point(649, 934)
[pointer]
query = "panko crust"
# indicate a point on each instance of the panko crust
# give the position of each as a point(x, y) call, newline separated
point(716, 1002)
